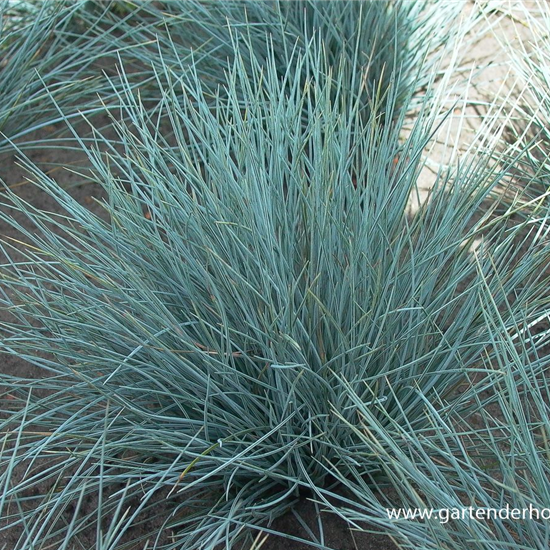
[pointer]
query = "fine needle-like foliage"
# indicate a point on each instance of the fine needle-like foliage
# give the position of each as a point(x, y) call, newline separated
point(526, 99)
point(257, 288)
point(482, 469)
point(400, 43)
point(54, 49)
point(531, 62)
point(69, 48)
point(34, 55)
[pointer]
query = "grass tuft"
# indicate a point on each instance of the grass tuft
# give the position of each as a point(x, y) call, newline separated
point(258, 318)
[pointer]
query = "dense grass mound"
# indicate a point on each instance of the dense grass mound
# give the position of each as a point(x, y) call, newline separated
point(63, 50)
point(382, 44)
point(258, 317)
point(254, 288)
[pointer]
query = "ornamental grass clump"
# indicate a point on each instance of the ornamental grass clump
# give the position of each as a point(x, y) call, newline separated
point(37, 63)
point(400, 43)
point(50, 51)
point(482, 468)
point(254, 308)
point(65, 50)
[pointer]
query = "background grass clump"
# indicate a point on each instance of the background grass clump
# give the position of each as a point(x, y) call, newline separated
point(68, 53)
point(258, 317)
point(384, 43)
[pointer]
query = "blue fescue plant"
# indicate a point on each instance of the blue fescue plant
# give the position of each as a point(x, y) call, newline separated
point(256, 288)
point(48, 50)
point(35, 55)
point(490, 450)
point(388, 38)
point(67, 47)
point(484, 473)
